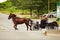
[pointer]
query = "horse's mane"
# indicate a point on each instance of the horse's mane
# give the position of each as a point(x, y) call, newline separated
point(14, 15)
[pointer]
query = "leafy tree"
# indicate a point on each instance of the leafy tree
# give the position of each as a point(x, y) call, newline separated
point(40, 6)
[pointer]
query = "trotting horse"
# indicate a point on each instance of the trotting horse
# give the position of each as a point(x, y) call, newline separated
point(17, 20)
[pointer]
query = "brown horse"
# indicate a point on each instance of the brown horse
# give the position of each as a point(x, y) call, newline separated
point(17, 20)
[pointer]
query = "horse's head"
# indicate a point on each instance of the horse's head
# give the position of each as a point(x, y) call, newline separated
point(11, 16)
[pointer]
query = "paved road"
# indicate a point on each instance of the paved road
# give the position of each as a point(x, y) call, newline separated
point(7, 31)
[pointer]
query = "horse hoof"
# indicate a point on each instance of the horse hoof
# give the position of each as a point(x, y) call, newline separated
point(31, 29)
point(16, 28)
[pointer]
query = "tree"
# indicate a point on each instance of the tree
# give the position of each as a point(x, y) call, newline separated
point(5, 5)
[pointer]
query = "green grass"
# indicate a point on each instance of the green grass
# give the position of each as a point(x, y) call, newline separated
point(8, 11)
point(58, 22)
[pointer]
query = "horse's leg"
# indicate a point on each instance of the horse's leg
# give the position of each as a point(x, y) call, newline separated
point(26, 26)
point(15, 26)
point(30, 28)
